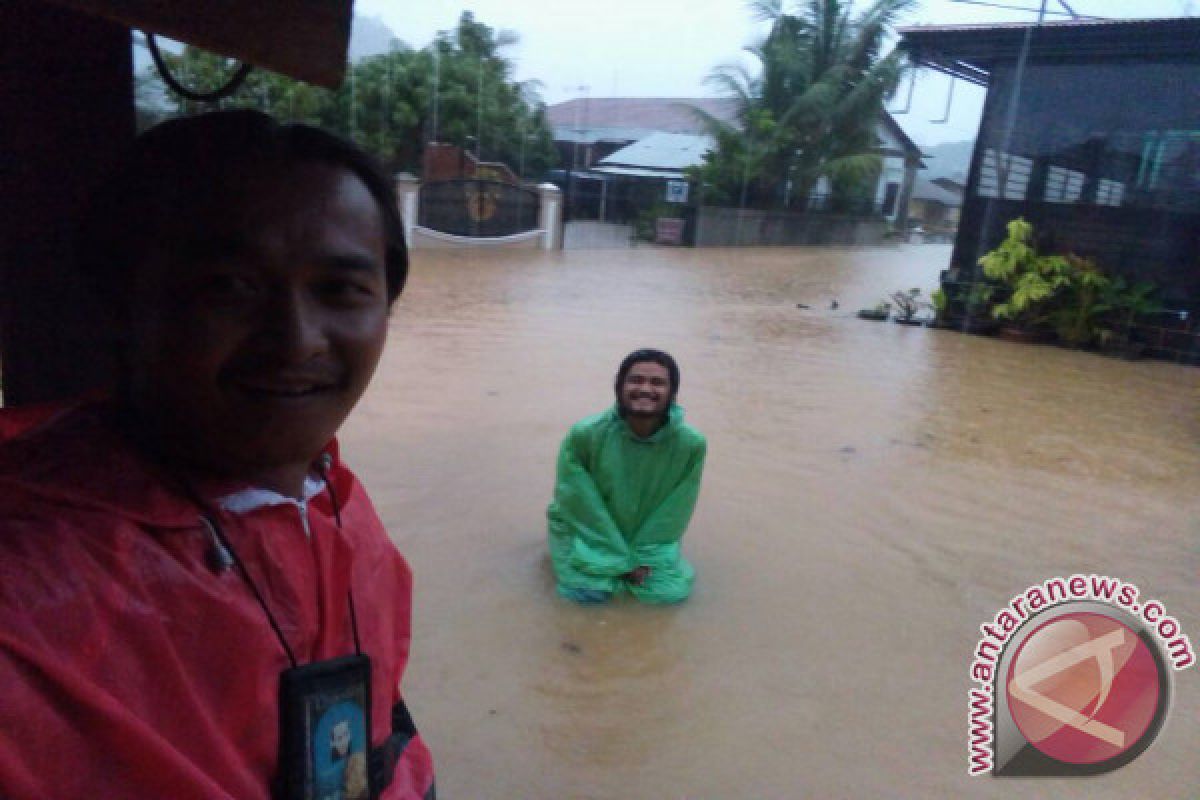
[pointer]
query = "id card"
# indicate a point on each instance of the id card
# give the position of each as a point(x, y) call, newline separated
point(325, 718)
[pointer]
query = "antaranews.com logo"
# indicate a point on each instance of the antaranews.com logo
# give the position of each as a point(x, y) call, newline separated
point(1073, 679)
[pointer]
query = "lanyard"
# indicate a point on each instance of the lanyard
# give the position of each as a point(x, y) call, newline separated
point(223, 555)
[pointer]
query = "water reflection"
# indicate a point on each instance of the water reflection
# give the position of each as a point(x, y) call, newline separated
point(873, 493)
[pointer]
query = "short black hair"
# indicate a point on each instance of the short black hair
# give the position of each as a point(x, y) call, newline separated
point(173, 162)
point(642, 356)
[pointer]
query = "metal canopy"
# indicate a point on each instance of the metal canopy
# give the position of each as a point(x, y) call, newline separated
point(970, 52)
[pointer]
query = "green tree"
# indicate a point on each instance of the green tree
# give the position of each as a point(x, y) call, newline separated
point(387, 102)
point(811, 107)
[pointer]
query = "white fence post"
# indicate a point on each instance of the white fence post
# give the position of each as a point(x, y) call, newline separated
point(407, 193)
point(550, 215)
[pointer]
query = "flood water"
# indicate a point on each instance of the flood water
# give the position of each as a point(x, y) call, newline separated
point(873, 494)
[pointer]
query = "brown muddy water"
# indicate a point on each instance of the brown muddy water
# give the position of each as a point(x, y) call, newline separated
point(873, 494)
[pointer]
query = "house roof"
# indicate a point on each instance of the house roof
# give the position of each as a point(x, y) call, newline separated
point(588, 120)
point(887, 121)
point(931, 192)
point(970, 52)
point(666, 114)
point(662, 151)
point(599, 134)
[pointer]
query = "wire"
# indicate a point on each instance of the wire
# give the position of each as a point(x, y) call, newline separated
point(1068, 13)
point(231, 86)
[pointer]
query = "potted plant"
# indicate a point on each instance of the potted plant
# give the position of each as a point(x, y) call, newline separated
point(1124, 304)
point(938, 302)
point(1077, 319)
point(908, 305)
point(879, 312)
point(1031, 280)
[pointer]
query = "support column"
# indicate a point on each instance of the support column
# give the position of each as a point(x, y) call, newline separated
point(408, 197)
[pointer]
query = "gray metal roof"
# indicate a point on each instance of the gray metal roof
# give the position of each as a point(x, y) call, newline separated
point(925, 190)
point(970, 52)
point(662, 151)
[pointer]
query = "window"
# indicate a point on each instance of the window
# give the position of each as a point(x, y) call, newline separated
point(1004, 175)
point(1109, 193)
point(1063, 185)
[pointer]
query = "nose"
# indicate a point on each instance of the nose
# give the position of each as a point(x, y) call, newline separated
point(293, 330)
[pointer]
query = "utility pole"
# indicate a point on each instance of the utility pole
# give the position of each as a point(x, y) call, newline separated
point(569, 204)
point(479, 122)
point(437, 60)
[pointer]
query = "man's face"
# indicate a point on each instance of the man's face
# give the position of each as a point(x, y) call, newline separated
point(646, 389)
point(257, 320)
point(339, 739)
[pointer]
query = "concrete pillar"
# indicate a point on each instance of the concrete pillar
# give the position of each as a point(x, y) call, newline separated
point(407, 196)
point(550, 216)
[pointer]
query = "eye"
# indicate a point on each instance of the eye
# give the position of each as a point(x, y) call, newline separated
point(224, 286)
point(346, 291)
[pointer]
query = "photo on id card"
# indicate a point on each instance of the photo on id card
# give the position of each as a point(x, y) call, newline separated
point(325, 717)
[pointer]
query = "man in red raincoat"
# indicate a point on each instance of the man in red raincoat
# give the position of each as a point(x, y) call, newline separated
point(196, 594)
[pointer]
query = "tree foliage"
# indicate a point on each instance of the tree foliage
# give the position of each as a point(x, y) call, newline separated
point(811, 107)
point(459, 89)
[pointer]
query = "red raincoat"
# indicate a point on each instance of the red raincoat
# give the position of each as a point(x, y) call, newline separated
point(131, 669)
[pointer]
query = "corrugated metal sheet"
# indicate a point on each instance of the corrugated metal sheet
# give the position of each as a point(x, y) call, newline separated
point(662, 151)
point(970, 52)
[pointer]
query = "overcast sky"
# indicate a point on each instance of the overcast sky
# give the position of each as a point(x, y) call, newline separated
point(665, 48)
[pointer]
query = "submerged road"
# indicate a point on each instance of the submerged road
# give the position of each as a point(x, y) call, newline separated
point(873, 494)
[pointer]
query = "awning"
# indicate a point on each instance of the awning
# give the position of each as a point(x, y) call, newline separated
point(643, 172)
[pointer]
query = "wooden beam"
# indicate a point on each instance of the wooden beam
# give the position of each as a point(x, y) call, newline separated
point(303, 39)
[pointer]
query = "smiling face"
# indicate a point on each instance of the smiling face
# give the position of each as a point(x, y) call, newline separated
point(257, 319)
point(339, 739)
point(646, 390)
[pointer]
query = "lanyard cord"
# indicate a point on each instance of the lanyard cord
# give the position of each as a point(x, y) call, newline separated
point(223, 552)
point(215, 529)
point(209, 518)
point(323, 465)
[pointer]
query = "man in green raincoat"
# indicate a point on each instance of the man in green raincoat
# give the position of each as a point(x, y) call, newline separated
point(626, 485)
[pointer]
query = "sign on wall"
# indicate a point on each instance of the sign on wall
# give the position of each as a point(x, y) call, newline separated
point(677, 191)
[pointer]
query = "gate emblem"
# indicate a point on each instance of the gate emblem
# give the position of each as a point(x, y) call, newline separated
point(481, 201)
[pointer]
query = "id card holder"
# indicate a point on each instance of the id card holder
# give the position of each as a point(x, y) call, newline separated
point(325, 730)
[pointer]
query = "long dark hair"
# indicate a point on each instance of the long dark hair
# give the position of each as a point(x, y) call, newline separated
point(641, 356)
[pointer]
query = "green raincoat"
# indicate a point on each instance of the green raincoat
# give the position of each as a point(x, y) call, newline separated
point(621, 502)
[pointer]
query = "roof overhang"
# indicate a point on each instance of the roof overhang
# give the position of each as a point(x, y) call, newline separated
point(971, 52)
point(642, 172)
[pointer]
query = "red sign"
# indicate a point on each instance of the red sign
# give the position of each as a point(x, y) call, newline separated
point(668, 230)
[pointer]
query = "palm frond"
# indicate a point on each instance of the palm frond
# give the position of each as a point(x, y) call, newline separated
point(764, 10)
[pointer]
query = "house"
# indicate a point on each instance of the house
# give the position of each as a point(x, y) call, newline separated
point(587, 129)
point(935, 205)
point(1091, 132)
point(654, 140)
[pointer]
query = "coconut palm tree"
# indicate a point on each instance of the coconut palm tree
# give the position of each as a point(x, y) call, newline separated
point(810, 108)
